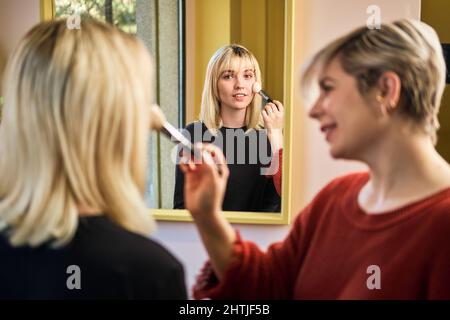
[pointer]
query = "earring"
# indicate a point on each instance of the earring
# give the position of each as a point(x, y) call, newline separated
point(392, 105)
point(379, 98)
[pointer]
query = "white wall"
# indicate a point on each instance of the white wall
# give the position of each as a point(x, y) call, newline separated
point(317, 22)
point(16, 17)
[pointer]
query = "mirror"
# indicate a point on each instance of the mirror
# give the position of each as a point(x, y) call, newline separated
point(182, 35)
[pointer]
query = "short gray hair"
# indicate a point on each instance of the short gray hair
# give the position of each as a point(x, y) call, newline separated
point(407, 47)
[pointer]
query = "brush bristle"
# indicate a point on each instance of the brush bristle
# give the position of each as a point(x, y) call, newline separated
point(256, 87)
point(157, 118)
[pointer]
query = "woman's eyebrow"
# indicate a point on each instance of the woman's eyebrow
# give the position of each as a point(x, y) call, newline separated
point(326, 79)
point(227, 71)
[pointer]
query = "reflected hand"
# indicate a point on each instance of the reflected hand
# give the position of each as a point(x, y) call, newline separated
point(205, 181)
point(273, 116)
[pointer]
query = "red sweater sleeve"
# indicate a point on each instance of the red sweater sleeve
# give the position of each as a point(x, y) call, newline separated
point(275, 170)
point(438, 287)
point(254, 274)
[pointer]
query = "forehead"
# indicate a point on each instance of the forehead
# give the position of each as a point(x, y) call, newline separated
point(333, 69)
point(236, 64)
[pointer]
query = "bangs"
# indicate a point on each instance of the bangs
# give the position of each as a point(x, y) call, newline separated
point(310, 74)
point(234, 62)
point(313, 68)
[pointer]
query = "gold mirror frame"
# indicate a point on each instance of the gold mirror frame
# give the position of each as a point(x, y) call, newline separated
point(47, 8)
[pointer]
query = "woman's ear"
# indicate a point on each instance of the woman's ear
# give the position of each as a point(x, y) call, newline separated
point(389, 86)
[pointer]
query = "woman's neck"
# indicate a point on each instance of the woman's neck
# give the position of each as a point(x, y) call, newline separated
point(232, 118)
point(404, 170)
point(88, 211)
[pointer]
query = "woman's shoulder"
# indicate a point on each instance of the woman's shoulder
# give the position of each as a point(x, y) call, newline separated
point(109, 239)
point(348, 182)
point(339, 192)
point(107, 251)
point(195, 125)
point(194, 131)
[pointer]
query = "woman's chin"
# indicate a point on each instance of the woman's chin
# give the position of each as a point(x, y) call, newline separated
point(335, 153)
point(341, 154)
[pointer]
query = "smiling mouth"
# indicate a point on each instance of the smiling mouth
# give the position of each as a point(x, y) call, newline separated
point(239, 95)
point(328, 129)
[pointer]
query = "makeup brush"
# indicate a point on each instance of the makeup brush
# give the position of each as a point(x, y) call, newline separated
point(159, 123)
point(257, 89)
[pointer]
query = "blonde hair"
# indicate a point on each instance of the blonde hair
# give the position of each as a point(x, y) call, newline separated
point(74, 131)
point(407, 47)
point(226, 58)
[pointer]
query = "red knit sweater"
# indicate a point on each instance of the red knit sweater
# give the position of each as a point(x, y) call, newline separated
point(333, 247)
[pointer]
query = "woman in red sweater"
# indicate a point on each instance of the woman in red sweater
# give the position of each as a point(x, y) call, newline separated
point(382, 234)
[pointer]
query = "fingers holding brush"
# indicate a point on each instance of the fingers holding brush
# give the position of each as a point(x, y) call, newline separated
point(205, 181)
point(273, 115)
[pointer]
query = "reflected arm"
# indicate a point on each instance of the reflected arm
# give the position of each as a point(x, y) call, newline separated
point(275, 171)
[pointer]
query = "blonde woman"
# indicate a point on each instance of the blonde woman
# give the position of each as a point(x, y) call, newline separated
point(231, 118)
point(381, 234)
point(73, 143)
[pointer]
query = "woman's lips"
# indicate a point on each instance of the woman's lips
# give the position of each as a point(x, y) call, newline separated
point(328, 130)
point(239, 96)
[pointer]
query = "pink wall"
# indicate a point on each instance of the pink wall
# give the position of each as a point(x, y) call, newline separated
point(16, 18)
point(318, 22)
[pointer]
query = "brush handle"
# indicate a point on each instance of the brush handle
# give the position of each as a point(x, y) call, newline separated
point(265, 96)
point(173, 134)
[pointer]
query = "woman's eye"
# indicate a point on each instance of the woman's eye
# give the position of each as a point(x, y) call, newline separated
point(248, 76)
point(227, 76)
point(327, 88)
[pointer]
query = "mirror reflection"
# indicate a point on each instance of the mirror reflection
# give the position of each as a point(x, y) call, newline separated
point(211, 103)
point(232, 118)
point(248, 189)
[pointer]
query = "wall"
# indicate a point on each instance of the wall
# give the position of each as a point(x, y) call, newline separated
point(317, 22)
point(323, 20)
point(12, 28)
point(435, 13)
point(211, 32)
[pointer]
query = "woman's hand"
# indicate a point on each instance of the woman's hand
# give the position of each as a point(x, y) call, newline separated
point(273, 116)
point(204, 188)
point(205, 182)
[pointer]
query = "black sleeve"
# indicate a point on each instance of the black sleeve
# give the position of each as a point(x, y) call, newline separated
point(178, 196)
point(271, 199)
point(174, 285)
point(167, 284)
point(158, 275)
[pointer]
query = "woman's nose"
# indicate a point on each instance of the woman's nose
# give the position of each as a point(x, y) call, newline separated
point(316, 110)
point(239, 82)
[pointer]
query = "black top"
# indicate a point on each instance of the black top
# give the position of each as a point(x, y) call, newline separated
point(248, 189)
point(113, 264)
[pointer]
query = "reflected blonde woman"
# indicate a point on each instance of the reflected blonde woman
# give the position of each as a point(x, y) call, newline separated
point(232, 117)
point(73, 140)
